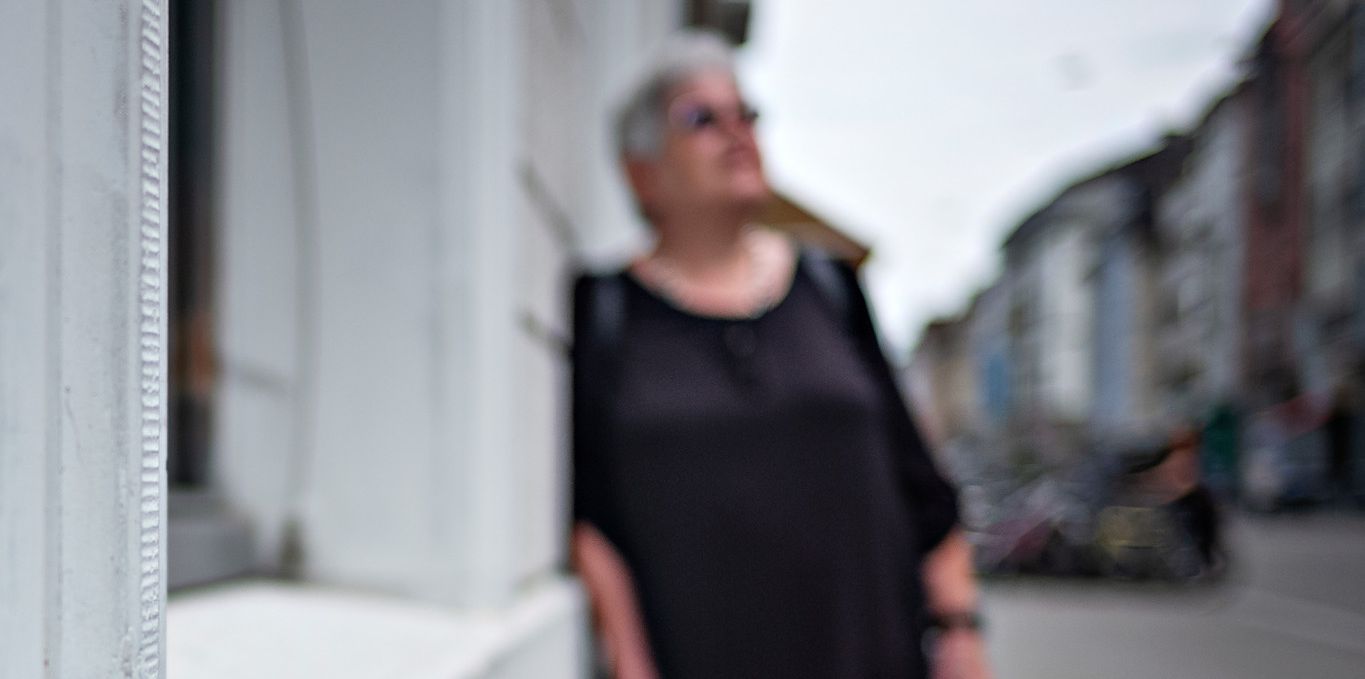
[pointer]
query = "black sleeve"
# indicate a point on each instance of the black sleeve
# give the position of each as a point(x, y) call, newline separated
point(933, 498)
point(587, 386)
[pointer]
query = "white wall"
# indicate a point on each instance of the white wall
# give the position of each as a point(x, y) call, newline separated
point(26, 458)
point(368, 204)
point(263, 312)
point(619, 35)
point(82, 350)
point(404, 190)
point(381, 253)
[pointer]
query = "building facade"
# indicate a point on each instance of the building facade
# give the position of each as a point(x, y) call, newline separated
point(942, 381)
point(1207, 283)
point(988, 342)
point(1275, 137)
point(354, 320)
point(1050, 261)
point(1336, 103)
point(1202, 222)
point(1124, 321)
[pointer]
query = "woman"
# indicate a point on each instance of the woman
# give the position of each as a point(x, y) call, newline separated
point(751, 498)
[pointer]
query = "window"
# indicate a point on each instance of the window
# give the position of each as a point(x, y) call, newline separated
point(204, 541)
point(191, 256)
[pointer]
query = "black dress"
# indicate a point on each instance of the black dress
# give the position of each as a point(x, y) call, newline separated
point(762, 480)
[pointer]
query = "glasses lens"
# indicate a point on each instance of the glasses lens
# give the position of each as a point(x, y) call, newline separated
point(697, 117)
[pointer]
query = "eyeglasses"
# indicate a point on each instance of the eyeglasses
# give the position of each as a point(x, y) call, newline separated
point(697, 117)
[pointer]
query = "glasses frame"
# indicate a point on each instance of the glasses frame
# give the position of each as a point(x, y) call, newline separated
point(694, 117)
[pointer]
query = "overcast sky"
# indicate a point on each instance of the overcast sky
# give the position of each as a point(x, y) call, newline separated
point(929, 128)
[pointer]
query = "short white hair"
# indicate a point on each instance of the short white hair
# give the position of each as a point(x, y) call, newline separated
point(639, 121)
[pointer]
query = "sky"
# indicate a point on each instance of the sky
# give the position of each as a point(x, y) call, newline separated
point(929, 128)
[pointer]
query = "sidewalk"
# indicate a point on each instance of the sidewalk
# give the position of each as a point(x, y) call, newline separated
point(1292, 606)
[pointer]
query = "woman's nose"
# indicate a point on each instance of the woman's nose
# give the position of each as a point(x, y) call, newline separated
point(737, 128)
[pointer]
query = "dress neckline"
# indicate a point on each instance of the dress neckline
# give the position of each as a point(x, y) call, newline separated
point(675, 306)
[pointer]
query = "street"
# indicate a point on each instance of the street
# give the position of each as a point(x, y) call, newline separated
point(1292, 605)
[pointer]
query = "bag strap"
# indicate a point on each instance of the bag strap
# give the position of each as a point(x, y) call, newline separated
point(825, 272)
point(607, 319)
point(599, 320)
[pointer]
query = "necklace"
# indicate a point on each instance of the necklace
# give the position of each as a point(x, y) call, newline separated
point(761, 291)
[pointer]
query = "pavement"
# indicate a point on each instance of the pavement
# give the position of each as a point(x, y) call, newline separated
point(1292, 604)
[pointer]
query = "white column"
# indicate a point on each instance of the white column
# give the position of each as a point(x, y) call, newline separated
point(481, 120)
point(620, 36)
point(82, 350)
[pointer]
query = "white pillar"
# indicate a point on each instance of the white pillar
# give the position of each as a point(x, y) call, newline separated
point(82, 350)
point(481, 123)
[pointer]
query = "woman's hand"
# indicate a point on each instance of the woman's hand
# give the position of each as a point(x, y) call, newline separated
point(958, 651)
point(959, 654)
point(616, 612)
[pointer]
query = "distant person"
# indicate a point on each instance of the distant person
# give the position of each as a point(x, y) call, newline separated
point(1338, 427)
point(1221, 450)
point(1194, 504)
point(1168, 478)
point(751, 497)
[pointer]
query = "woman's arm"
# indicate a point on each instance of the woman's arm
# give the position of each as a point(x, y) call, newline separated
point(950, 588)
point(616, 611)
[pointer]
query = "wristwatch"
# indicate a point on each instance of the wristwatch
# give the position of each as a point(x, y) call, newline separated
point(955, 620)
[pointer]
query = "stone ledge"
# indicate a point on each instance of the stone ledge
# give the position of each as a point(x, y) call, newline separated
point(205, 541)
point(265, 629)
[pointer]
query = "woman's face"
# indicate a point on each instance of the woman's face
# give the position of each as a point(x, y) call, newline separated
point(709, 158)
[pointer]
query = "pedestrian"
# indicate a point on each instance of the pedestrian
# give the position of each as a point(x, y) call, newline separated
point(1194, 505)
point(1338, 426)
point(751, 496)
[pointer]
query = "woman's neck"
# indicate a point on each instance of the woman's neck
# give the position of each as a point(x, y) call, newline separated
point(702, 248)
point(736, 273)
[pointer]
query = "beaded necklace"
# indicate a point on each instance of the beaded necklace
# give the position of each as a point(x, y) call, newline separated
point(761, 292)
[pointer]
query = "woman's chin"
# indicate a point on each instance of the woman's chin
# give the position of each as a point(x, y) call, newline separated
point(753, 198)
point(738, 197)
point(749, 188)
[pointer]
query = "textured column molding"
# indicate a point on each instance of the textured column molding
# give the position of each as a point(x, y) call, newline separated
point(152, 333)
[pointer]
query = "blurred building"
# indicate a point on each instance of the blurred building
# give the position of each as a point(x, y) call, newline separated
point(942, 380)
point(1335, 176)
point(1215, 277)
point(1046, 261)
point(988, 340)
point(1081, 274)
point(1277, 109)
point(958, 379)
point(1306, 151)
point(1076, 272)
point(1128, 298)
point(1202, 222)
point(373, 208)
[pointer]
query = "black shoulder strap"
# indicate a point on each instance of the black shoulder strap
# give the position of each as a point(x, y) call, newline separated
point(599, 319)
point(825, 272)
point(608, 319)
